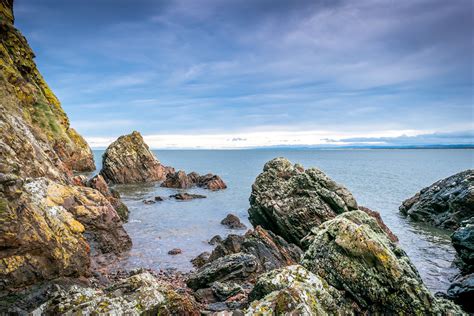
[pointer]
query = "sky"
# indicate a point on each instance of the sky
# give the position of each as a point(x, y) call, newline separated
point(256, 73)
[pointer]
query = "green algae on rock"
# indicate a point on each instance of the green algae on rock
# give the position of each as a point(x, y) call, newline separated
point(353, 254)
point(129, 160)
point(293, 290)
point(289, 201)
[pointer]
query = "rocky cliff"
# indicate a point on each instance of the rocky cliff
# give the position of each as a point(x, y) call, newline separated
point(36, 138)
point(48, 227)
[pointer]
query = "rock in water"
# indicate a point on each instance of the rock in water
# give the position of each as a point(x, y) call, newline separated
point(232, 222)
point(181, 180)
point(177, 180)
point(289, 200)
point(129, 160)
point(446, 203)
point(187, 196)
point(461, 290)
point(353, 254)
point(296, 291)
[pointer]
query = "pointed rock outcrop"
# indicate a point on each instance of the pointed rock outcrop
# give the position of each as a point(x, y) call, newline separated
point(129, 160)
point(289, 200)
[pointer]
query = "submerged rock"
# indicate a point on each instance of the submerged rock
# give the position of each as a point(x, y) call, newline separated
point(293, 290)
point(187, 196)
point(233, 222)
point(289, 200)
point(175, 251)
point(353, 254)
point(138, 294)
point(445, 203)
point(129, 160)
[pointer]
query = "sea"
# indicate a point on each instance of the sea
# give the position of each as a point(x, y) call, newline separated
point(380, 179)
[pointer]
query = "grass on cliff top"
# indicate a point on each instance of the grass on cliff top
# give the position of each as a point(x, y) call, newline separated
point(44, 117)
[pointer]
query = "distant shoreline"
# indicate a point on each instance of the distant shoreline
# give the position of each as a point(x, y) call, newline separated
point(302, 148)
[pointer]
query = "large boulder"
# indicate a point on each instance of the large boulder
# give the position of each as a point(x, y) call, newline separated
point(129, 160)
point(293, 290)
point(177, 180)
point(289, 200)
point(354, 254)
point(139, 294)
point(445, 203)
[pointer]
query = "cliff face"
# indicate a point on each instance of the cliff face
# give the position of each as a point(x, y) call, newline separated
point(48, 227)
point(35, 131)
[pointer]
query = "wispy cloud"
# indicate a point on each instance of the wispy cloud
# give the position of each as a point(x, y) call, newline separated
point(230, 67)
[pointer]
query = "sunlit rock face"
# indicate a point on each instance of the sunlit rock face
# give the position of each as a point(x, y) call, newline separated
point(34, 128)
point(49, 227)
point(289, 201)
point(129, 160)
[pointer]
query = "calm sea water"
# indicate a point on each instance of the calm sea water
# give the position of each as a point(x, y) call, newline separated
point(379, 179)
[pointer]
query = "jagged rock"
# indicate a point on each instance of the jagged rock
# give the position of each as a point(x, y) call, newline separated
point(215, 240)
point(233, 267)
point(79, 180)
point(293, 290)
point(353, 254)
point(181, 180)
point(463, 242)
point(225, 290)
point(445, 203)
point(270, 251)
point(129, 160)
point(289, 200)
point(40, 241)
point(201, 259)
point(379, 220)
point(138, 294)
point(233, 222)
point(187, 196)
point(148, 201)
point(231, 244)
point(177, 180)
point(461, 291)
point(98, 182)
point(211, 182)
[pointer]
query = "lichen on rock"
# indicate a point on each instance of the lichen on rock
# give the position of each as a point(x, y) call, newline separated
point(289, 200)
point(129, 160)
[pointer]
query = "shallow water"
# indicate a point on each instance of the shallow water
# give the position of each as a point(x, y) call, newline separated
point(379, 179)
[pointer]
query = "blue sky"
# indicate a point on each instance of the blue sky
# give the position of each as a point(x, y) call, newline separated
point(224, 74)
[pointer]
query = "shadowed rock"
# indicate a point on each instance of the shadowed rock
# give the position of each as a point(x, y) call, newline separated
point(289, 200)
point(445, 203)
point(233, 222)
point(129, 160)
point(187, 196)
point(178, 180)
point(97, 182)
point(181, 180)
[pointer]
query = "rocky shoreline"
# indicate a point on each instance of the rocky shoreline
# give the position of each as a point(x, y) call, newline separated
point(312, 249)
